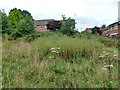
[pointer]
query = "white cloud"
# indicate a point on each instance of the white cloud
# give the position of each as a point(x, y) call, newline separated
point(88, 12)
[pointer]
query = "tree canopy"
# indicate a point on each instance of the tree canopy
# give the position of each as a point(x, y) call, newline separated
point(94, 31)
point(18, 23)
point(68, 25)
point(6, 25)
point(103, 26)
point(15, 16)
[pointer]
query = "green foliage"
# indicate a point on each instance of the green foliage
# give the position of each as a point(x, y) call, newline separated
point(59, 69)
point(22, 23)
point(94, 31)
point(78, 63)
point(85, 32)
point(6, 25)
point(26, 15)
point(108, 41)
point(103, 26)
point(15, 16)
point(24, 28)
point(33, 36)
point(68, 26)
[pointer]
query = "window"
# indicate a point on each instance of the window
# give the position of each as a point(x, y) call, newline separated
point(108, 30)
point(111, 28)
point(45, 26)
point(115, 26)
point(40, 26)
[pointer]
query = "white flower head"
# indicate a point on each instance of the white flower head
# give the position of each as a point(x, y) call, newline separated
point(50, 57)
point(53, 51)
point(52, 48)
point(105, 69)
point(115, 55)
point(101, 56)
point(108, 66)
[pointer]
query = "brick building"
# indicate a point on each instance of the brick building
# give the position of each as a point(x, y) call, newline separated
point(105, 31)
point(113, 29)
point(88, 29)
point(47, 25)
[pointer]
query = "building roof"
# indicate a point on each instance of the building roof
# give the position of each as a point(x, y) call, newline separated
point(88, 29)
point(118, 22)
point(106, 28)
point(43, 22)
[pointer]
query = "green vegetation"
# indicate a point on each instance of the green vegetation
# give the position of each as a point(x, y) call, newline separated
point(54, 60)
point(61, 59)
point(6, 26)
point(103, 26)
point(17, 24)
point(94, 31)
point(15, 16)
point(68, 26)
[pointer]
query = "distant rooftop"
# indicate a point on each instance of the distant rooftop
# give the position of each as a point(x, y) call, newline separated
point(44, 21)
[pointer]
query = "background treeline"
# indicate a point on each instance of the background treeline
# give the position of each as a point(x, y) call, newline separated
point(18, 23)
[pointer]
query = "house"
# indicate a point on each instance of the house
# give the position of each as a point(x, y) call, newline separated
point(105, 31)
point(113, 29)
point(41, 25)
point(97, 29)
point(47, 25)
point(88, 29)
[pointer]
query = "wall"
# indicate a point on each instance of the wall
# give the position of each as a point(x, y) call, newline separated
point(113, 31)
point(43, 29)
point(119, 29)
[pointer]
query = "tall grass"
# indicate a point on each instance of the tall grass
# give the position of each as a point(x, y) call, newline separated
point(58, 61)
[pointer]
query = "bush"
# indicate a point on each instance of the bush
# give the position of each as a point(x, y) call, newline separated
point(108, 41)
point(68, 26)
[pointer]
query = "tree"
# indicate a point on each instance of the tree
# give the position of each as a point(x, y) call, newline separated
point(68, 26)
point(6, 25)
point(94, 31)
point(103, 26)
point(26, 25)
point(26, 14)
point(24, 28)
point(22, 22)
point(15, 16)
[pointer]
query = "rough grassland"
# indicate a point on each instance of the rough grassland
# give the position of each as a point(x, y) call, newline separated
point(58, 62)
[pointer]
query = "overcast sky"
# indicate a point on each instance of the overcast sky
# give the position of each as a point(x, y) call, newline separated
point(87, 13)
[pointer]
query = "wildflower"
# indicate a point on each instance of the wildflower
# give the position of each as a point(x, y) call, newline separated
point(115, 55)
point(101, 56)
point(108, 66)
point(106, 53)
point(53, 51)
point(105, 69)
point(111, 82)
point(52, 48)
point(58, 48)
point(50, 57)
